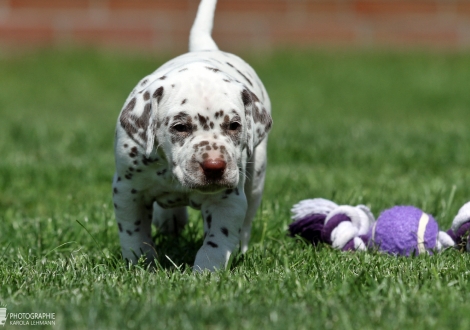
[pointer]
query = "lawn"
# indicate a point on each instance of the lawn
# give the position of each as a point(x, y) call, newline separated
point(356, 127)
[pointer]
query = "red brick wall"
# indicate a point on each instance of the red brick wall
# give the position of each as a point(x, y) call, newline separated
point(240, 24)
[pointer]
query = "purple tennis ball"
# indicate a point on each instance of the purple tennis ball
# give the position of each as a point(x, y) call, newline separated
point(405, 230)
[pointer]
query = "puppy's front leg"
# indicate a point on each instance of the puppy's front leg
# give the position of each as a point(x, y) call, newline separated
point(134, 219)
point(223, 218)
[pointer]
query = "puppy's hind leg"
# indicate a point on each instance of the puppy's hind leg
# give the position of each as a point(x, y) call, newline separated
point(169, 221)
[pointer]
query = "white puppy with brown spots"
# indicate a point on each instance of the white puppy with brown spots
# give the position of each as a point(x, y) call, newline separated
point(193, 133)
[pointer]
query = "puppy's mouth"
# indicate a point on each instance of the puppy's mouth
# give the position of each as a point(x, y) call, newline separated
point(212, 188)
point(208, 186)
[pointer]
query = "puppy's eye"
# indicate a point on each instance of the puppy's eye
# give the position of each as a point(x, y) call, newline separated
point(181, 128)
point(234, 126)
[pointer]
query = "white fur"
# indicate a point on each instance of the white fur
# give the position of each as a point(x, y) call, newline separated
point(200, 35)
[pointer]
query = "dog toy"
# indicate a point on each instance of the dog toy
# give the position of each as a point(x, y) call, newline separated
point(400, 230)
point(459, 231)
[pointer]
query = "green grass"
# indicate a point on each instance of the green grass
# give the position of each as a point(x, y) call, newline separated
point(356, 127)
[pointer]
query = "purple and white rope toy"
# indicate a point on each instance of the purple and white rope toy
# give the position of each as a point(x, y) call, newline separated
point(400, 230)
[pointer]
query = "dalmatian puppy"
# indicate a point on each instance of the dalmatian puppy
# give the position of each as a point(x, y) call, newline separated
point(192, 133)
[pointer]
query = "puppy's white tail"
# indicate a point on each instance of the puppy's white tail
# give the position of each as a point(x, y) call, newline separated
point(200, 37)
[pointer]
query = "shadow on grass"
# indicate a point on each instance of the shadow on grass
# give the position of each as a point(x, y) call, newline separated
point(176, 252)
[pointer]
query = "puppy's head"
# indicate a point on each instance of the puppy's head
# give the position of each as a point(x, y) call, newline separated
point(207, 125)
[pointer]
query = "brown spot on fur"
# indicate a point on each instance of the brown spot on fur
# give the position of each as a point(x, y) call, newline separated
point(143, 120)
point(162, 172)
point(131, 123)
point(181, 116)
point(224, 231)
point(200, 145)
point(158, 94)
point(245, 77)
point(203, 122)
point(212, 69)
point(219, 114)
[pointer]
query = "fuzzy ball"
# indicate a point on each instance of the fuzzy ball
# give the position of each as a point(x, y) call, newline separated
point(404, 230)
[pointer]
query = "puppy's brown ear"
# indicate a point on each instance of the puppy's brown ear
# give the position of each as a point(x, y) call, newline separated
point(258, 120)
point(138, 118)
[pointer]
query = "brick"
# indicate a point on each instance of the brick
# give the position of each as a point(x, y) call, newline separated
point(26, 34)
point(418, 34)
point(253, 6)
point(337, 7)
point(239, 24)
point(176, 5)
point(390, 7)
point(316, 29)
point(463, 7)
point(48, 4)
point(112, 36)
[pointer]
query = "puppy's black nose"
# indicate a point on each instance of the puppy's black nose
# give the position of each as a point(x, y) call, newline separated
point(213, 168)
